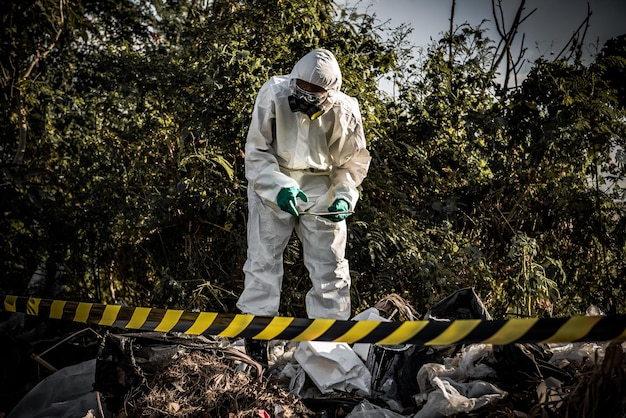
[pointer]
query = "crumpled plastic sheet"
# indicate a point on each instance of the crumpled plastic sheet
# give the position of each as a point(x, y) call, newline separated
point(365, 409)
point(334, 367)
point(579, 352)
point(450, 396)
point(463, 366)
point(66, 393)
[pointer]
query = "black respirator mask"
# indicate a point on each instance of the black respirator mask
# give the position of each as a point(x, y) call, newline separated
point(308, 102)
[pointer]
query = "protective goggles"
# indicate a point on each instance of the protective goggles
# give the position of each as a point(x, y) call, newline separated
point(311, 97)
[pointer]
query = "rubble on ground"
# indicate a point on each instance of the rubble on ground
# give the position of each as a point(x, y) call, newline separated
point(203, 383)
point(173, 375)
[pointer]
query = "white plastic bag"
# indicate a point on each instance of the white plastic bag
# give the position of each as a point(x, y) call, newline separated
point(334, 366)
point(452, 397)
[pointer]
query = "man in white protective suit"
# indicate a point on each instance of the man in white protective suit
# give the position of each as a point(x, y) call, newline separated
point(305, 156)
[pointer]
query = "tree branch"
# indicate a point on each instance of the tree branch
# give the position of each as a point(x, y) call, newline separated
point(40, 54)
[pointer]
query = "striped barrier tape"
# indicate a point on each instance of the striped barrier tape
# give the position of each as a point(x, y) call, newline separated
point(432, 333)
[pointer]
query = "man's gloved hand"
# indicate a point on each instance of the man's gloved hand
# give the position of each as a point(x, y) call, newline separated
point(286, 199)
point(339, 205)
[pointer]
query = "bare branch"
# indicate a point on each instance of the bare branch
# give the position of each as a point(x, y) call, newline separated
point(22, 111)
point(508, 36)
point(497, 20)
point(503, 49)
point(451, 51)
point(575, 35)
point(41, 54)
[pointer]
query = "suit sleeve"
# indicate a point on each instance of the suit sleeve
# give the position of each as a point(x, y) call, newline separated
point(261, 165)
point(351, 159)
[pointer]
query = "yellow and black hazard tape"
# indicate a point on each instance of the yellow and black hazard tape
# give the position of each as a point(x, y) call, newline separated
point(466, 331)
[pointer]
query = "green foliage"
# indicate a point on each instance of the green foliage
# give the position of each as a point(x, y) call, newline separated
point(513, 180)
point(133, 152)
point(611, 65)
point(532, 286)
point(562, 126)
point(121, 149)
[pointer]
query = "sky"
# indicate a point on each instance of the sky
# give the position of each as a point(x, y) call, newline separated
point(547, 30)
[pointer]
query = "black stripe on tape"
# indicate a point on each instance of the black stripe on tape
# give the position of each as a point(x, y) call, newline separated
point(608, 328)
point(295, 328)
point(503, 331)
point(484, 331)
point(543, 329)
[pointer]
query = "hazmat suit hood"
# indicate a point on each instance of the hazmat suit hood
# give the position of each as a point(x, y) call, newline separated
point(319, 67)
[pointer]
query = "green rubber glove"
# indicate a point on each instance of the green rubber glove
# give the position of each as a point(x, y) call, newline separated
point(339, 205)
point(286, 199)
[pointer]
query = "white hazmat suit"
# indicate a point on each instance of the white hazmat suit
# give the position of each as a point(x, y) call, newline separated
point(327, 159)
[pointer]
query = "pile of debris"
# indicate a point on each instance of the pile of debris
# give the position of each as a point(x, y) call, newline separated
point(149, 374)
point(173, 375)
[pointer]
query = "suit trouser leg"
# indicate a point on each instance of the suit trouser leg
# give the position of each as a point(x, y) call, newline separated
point(324, 245)
point(268, 235)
